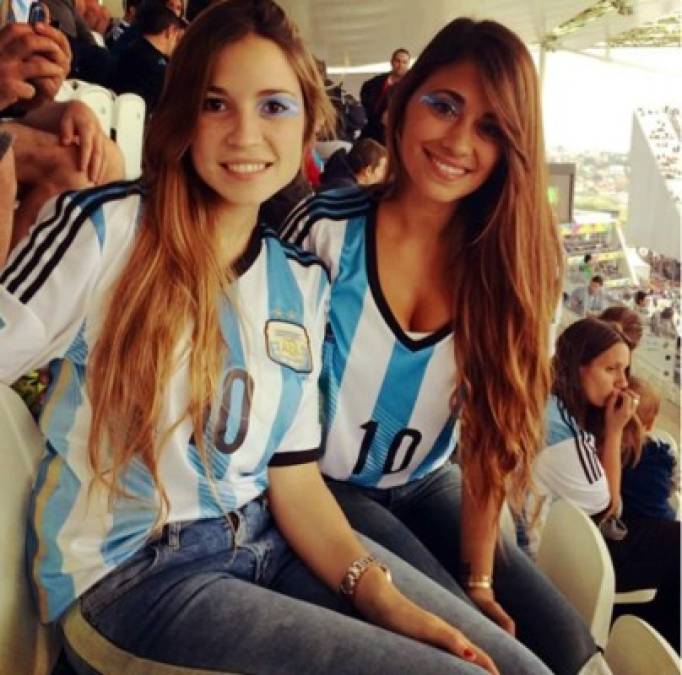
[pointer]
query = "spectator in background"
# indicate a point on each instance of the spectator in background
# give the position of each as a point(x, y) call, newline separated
point(588, 299)
point(365, 164)
point(663, 323)
point(350, 113)
point(585, 268)
point(640, 304)
point(591, 404)
point(374, 94)
point(91, 62)
point(628, 321)
point(120, 26)
point(648, 462)
point(142, 66)
point(98, 19)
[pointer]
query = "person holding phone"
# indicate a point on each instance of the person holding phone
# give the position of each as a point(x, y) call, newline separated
point(590, 405)
point(34, 61)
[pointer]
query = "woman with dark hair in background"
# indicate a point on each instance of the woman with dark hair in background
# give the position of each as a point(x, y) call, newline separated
point(590, 406)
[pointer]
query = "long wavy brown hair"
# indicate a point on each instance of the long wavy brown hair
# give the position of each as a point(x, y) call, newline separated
point(505, 262)
point(169, 288)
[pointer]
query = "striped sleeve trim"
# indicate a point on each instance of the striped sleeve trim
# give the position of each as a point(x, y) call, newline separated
point(299, 255)
point(35, 262)
point(293, 458)
point(341, 204)
point(584, 445)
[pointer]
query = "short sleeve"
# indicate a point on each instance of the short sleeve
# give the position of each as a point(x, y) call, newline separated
point(301, 442)
point(47, 283)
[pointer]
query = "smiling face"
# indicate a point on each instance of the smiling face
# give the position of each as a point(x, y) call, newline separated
point(605, 374)
point(249, 136)
point(449, 141)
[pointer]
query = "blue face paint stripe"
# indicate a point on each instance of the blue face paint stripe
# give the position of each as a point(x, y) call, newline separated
point(398, 393)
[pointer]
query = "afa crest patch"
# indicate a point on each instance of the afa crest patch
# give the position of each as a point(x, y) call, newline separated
point(289, 345)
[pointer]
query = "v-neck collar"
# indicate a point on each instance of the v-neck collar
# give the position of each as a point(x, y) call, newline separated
point(380, 300)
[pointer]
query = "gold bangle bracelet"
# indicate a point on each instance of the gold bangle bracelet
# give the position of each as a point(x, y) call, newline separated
point(479, 581)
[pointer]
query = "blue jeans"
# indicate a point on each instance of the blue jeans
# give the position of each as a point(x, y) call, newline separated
point(420, 523)
point(196, 598)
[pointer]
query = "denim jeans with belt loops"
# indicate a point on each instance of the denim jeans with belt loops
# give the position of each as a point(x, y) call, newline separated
point(210, 597)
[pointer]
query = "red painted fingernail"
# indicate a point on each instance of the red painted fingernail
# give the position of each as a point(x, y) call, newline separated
point(469, 655)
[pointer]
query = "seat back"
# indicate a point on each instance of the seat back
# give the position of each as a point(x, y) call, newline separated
point(67, 91)
point(635, 648)
point(100, 100)
point(26, 646)
point(573, 555)
point(128, 123)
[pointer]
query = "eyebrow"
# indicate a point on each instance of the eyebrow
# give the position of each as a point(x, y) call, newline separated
point(215, 89)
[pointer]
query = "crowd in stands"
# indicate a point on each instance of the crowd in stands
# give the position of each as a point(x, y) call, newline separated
point(662, 128)
point(589, 437)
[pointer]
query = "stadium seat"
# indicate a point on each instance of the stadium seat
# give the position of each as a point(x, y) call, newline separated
point(128, 127)
point(26, 647)
point(100, 100)
point(573, 555)
point(67, 91)
point(635, 648)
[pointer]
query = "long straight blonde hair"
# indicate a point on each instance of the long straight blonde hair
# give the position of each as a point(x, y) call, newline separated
point(170, 286)
point(505, 262)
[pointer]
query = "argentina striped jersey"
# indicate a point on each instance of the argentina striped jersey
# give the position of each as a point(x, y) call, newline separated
point(569, 466)
point(387, 414)
point(54, 292)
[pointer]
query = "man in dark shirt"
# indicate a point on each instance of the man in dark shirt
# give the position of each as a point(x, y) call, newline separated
point(142, 66)
point(375, 93)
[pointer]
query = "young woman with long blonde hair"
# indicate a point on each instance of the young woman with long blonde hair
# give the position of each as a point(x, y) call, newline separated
point(179, 520)
point(444, 285)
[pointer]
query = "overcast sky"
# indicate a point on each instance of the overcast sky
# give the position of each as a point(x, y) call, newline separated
point(588, 104)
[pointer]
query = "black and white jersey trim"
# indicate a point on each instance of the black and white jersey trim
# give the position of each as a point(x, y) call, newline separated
point(27, 273)
point(584, 445)
point(340, 204)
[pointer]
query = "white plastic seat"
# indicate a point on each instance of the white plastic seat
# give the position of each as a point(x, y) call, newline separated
point(635, 648)
point(128, 122)
point(100, 100)
point(26, 646)
point(573, 555)
point(67, 91)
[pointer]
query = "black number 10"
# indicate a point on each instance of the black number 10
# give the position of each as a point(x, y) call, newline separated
point(370, 432)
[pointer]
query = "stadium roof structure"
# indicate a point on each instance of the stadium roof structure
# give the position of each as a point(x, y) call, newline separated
point(357, 32)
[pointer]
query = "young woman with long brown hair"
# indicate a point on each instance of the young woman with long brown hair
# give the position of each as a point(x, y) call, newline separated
point(444, 285)
point(185, 343)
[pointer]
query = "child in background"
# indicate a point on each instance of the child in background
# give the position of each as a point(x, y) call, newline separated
point(649, 466)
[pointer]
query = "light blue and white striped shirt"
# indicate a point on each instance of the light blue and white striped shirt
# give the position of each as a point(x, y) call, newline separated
point(54, 292)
